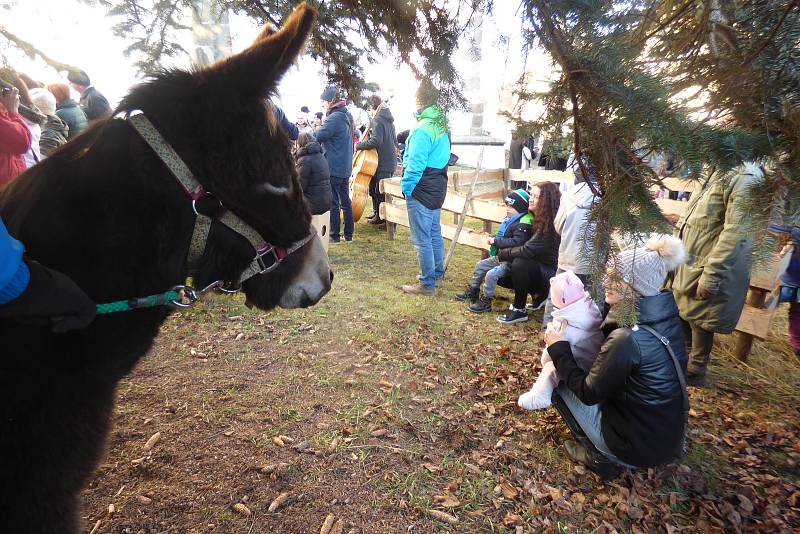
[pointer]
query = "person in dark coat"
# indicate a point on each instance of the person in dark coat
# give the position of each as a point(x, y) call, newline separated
point(67, 110)
point(336, 139)
point(630, 408)
point(382, 139)
point(314, 174)
point(535, 262)
point(92, 102)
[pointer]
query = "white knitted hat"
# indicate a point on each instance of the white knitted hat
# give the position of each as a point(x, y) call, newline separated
point(44, 100)
point(645, 268)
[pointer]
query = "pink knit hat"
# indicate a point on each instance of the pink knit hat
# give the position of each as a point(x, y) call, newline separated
point(565, 288)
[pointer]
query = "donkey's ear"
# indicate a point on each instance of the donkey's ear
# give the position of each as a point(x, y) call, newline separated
point(256, 71)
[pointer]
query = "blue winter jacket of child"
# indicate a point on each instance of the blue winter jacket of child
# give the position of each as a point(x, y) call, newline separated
point(514, 232)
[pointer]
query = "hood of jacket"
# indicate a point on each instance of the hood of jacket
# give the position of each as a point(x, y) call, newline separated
point(310, 148)
point(582, 314)
point(432, 120)
point(385, 114)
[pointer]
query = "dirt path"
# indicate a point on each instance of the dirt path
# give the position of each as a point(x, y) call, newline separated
point(398, 414)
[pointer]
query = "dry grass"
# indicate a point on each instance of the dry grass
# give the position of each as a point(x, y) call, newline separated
point(406, 406)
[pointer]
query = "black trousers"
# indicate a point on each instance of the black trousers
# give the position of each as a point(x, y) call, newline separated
point(530, 277)
point(374, 191)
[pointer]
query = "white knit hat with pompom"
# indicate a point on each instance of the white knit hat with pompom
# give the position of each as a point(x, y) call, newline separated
point(645, 268)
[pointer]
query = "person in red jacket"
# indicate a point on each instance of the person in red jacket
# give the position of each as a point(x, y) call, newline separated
point(15, 137)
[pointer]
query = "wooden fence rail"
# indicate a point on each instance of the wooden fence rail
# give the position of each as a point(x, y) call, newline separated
point(758, 312)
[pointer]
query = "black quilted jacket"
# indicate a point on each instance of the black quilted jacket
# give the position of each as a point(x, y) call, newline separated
point(635, 380)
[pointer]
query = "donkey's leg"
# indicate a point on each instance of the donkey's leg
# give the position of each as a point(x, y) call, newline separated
point(51, 437)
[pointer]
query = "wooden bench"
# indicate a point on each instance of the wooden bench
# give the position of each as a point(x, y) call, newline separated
point(393, 211)
point(486, 204)
point(756, 318)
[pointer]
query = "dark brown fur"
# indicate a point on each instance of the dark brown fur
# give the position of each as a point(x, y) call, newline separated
point(105, 210)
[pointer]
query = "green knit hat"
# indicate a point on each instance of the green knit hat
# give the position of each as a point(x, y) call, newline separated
point(518, 200)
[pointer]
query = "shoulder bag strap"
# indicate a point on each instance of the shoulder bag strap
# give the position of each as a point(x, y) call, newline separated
point(664, 341)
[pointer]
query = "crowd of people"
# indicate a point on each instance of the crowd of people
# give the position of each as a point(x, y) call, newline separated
point(620, 389)
point(50, 114)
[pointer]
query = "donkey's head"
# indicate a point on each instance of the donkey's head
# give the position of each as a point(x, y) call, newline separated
point(220, 122)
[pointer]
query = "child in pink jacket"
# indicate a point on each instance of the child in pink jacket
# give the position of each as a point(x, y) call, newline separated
point(574, 310)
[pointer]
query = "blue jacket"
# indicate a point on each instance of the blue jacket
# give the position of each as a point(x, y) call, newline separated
point(426, 156)
point(514, 232)
point(14, 274)
point(336, 138)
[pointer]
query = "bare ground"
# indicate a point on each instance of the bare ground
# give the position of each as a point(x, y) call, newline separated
point(398, 414)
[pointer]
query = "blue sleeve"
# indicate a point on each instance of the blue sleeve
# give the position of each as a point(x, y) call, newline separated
point(415, 160)
point(14, 274)
point(291, 129)
point(326, 132)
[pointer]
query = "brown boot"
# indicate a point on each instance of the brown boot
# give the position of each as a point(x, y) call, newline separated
point(419, 289)
point(699, 356)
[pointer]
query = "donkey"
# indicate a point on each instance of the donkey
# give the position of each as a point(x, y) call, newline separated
point(108, 211)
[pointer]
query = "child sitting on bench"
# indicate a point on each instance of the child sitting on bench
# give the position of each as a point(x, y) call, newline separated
point(514, 231)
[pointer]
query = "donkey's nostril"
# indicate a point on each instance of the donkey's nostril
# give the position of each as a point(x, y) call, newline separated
point(331, 276)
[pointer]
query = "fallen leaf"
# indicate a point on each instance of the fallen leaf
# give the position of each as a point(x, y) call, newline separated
point(511, 519)
point(509, 491)
point(379, 433)
point(242, 509)
point(155, 438)
point(432, 468)
point(279, 500)
point(443, 516)
point(327, 524)
point(337, 527)
point(448, 500)
point(745, 504)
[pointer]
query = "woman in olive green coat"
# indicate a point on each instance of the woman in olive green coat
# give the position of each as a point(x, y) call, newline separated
point(711, 287)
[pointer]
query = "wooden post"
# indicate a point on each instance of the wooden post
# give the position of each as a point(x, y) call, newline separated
point(463, 216)
point(487, 227)
point(391, 228)
point(744, 342)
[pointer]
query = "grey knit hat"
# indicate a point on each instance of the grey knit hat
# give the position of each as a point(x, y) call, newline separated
point(645, 268)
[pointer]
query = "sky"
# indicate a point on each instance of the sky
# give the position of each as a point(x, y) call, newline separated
point(78, 34)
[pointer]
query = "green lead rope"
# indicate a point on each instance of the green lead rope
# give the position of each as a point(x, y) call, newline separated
point(166, 298)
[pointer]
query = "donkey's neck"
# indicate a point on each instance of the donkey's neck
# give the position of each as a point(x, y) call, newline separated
point(106, 212)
